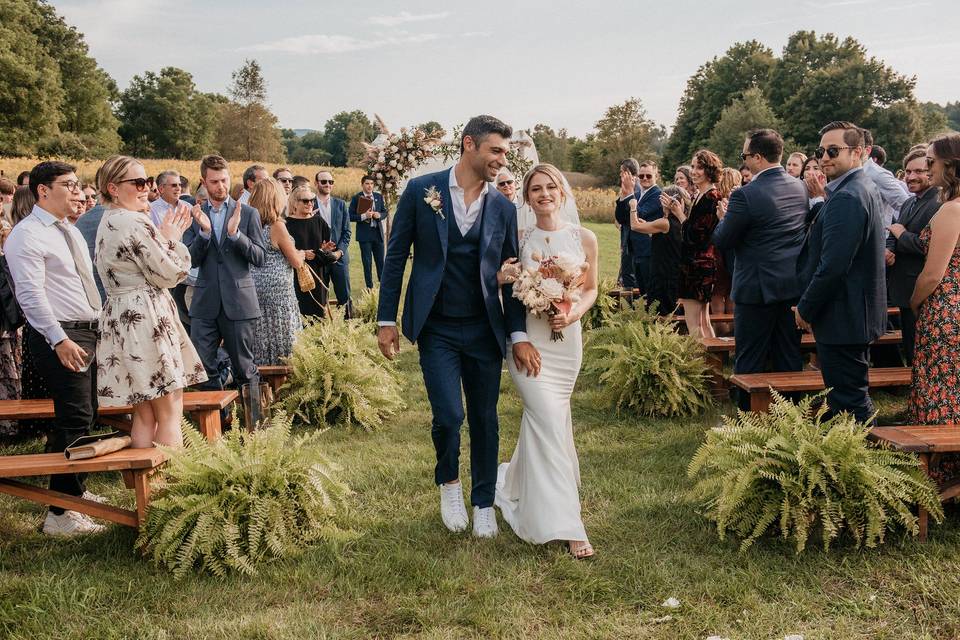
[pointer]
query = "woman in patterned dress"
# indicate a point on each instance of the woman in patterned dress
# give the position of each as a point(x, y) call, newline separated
point(935, 395)
point(144, 355)
point(279, 324)
point(698, 256)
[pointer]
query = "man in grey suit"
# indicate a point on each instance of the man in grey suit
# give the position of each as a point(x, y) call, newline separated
point(765, 226)
point(842, 271)
point(904, 255)
point(336, 214)
point(225, 240)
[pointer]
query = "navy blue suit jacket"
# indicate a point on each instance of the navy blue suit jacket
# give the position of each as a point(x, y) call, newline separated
point(367, 232)
point(417, 225)
point(648, 209)
point(842, 267)
point(765, 227)
point(224, 279)
point(339, 226)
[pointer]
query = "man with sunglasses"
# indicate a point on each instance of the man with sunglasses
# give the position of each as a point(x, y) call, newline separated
point(168, 186)
point(336, 214)
point(844, 301)
point(285, 177)
point(764, 225)
point(646, 202)
point(370, 225)
point(53, 279)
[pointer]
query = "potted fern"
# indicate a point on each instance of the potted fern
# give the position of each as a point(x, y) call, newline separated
point(339, 377)
point(233, 504)
point(641, 364)
point(794, 472)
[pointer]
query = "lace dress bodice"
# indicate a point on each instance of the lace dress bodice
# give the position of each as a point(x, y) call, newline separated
point(566, 239)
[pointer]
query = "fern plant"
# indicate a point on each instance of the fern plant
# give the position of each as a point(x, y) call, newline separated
point(339, 377)
point(365, 306)
point(603, 309)
point(642, 364)
point(791, 470)
point(235, 503)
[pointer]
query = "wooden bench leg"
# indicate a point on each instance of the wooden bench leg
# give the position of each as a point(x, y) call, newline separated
point(65, 501)
point(921, 512)
point(209, 423)
point(141, 479)
point(760, 400)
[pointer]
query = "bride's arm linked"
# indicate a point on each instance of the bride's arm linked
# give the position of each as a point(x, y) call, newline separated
point(588, 291)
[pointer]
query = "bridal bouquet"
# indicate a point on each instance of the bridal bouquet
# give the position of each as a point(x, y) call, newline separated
point(550, 287)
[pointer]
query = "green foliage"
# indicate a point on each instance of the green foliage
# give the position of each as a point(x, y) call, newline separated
point(553, 147)
point(794, 471)
point(749, 111)
point(641, 364)
point(164, 116)
point(343, 135)
point(245, 499)
point(603, 310)
point(248, 129)
point(623, 131)
point(340, 377)
point(365, 305)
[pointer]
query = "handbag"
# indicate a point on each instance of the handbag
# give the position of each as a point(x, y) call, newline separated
point(305, 279)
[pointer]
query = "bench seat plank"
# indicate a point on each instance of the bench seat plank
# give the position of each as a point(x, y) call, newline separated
point(813, 380)
point(41, 464)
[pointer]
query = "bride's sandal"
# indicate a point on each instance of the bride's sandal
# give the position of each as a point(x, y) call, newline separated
point(581, 552)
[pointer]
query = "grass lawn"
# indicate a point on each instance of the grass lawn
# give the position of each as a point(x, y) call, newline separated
point(394, 571)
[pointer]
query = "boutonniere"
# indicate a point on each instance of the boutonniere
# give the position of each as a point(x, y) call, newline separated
point(433, 199)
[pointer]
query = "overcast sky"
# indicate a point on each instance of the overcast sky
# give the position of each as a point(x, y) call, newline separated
point(558, 62)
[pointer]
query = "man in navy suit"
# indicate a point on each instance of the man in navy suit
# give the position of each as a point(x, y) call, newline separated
point(765, 227)
point(225, 240)
point(335, 213)
point(629, 190)
point(648, 208)
point(842, 271)
point(369, 229)
point(453, 310)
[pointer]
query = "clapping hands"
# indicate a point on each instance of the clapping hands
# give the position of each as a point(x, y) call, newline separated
point(233, 224)
point(175, 222)
point(202, 219)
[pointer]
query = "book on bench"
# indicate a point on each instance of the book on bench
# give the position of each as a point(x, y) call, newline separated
point(87, 447)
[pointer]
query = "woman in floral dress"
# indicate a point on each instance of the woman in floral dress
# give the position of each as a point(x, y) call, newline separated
point(279, 322)
point(935, 395)
point(144, 355)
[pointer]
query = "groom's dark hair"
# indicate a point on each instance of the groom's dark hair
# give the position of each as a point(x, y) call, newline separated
point(480, 127)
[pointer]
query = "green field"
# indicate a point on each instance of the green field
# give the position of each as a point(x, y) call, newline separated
point(396, 572)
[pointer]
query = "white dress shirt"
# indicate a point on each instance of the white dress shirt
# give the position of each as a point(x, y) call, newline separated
point(158, 210)
point(244, 197)
point(324, 209)
point(893, 193)
point(465, 216)
point(47, 283)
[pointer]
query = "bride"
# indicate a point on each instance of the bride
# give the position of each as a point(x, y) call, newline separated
point(537, 491)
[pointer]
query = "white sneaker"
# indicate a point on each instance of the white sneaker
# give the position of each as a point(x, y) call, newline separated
point(87, 495)
point(452, 510)
point(485, 522)
point(69, 523)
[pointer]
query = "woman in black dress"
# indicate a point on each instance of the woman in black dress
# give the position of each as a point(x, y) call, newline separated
point(664, 248)
point(311, 235)
point(698, 256)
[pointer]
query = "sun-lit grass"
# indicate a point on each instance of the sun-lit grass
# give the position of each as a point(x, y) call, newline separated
point(394, 571)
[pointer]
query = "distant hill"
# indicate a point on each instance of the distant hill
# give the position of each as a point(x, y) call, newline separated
point(302, 132)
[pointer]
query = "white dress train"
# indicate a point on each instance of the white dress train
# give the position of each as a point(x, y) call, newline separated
point(538, 490)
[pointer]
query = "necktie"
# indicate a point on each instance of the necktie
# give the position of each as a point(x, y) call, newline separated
point(86, 277)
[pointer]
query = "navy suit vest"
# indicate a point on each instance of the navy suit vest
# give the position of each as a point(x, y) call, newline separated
point(460, 294)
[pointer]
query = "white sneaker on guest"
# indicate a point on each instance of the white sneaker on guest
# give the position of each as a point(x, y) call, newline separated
point(69, 523)
point(452, 510)
point(484, 522)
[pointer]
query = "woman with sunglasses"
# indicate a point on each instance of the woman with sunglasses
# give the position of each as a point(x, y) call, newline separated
point(279, 324)
point(312, 236)
point(935, 394)
point(144, 355)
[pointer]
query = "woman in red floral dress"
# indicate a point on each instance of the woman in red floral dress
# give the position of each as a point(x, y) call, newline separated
point(935, 396)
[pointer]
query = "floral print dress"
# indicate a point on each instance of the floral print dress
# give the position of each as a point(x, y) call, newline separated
point(698, 256)
point(935, 395)
point(143, 351)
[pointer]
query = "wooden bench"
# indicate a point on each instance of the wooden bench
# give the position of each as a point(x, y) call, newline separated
point(722, 347)
point(758, 385)
point(135, 465)
point(203, 406)
point(275, 375)
point(925, 441)
point(716, 318)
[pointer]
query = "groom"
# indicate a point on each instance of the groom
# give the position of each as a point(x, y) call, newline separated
point(453, 310)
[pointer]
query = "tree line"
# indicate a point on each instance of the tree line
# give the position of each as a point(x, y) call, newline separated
point(56, 101)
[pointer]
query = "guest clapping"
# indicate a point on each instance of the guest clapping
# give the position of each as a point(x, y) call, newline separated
point(664, 234)
point(311, 234)
point(144, 355)
point(279, 322)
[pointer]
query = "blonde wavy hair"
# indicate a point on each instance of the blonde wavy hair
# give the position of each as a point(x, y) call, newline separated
point(269, 198)
point(297, 194)
point(551, 172)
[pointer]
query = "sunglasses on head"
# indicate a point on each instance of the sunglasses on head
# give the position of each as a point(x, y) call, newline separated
point(833, 152)
point(324, 181)
point(140, 183)
point(504, 183)
point(645, 176)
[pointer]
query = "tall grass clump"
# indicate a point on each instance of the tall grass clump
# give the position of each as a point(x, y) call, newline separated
point(228, 506)
point(790, 471)
point(339, 377)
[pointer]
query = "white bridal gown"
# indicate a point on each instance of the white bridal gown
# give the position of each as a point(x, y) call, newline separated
point(537, 491)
